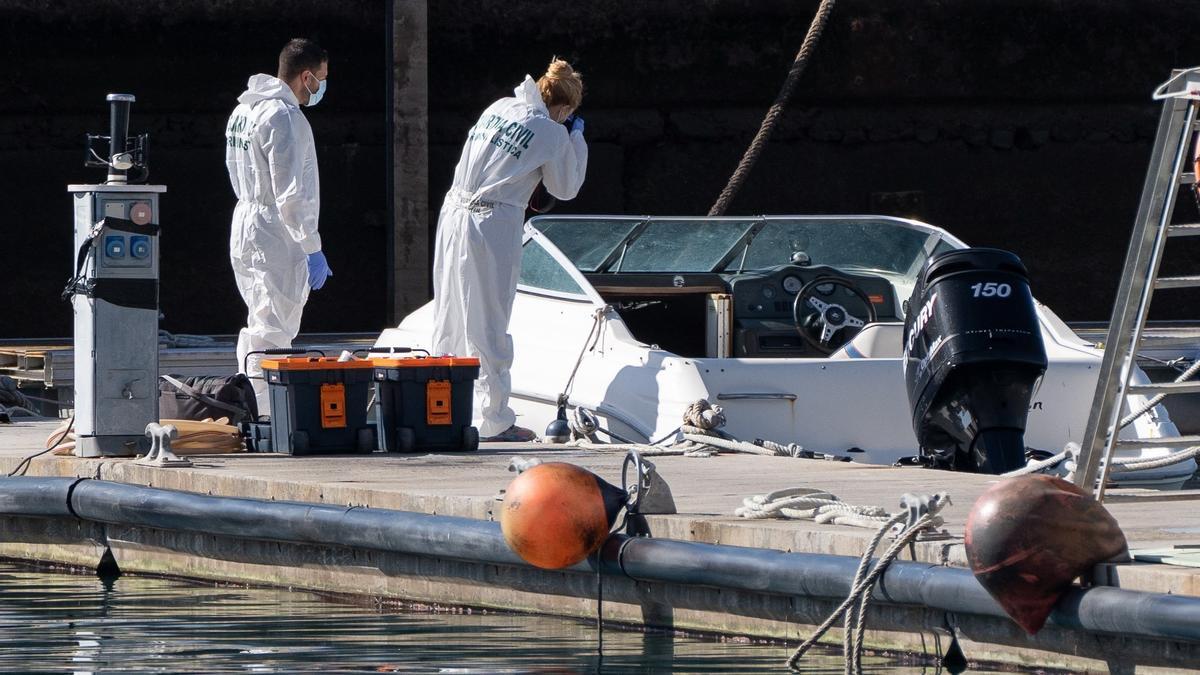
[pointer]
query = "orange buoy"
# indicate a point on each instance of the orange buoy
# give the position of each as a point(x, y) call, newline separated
point(556, 514)
point(1029, 537)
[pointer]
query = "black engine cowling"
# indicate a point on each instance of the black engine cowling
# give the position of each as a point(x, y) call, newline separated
point(973, 356)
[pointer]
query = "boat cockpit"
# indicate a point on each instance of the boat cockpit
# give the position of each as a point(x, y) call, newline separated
point(764, 287)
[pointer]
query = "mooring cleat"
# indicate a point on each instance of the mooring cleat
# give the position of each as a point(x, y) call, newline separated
point(918, 505)
point(521, 464)
point(160, 454)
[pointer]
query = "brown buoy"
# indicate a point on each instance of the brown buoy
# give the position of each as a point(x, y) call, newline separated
point(556, 514)
point(1029, 537)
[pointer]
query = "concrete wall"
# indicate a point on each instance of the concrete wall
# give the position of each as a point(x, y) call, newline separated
point(1024, 124)
point(186, 61)
point(409, 262)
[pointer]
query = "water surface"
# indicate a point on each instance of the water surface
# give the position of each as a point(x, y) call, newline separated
point(73, 623)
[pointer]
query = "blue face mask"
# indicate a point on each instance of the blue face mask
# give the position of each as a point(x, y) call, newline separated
point(314, 97)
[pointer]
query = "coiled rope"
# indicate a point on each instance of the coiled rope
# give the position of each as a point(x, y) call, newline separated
point(800, 503)
point(701, 428)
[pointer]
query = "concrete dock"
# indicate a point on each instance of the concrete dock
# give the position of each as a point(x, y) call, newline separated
point(706, 493)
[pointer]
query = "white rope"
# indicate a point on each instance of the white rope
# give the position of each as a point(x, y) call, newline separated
point(727, 444)
point(801, 503)
point(1138, 464)
point(704, 416)
point(701, 436)
point(583, 424)
point(1070, 456)
point(1149, 405)
point(643, 449)
point(702, 424)
point(1071, 451)
point(860, 592)
point(856, 617)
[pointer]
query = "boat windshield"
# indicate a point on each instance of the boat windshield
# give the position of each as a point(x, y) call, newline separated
point(730, 245)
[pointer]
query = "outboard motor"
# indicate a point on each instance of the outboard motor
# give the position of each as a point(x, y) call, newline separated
point(973, 357)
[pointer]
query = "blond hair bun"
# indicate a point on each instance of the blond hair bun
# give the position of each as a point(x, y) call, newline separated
point(561, 85)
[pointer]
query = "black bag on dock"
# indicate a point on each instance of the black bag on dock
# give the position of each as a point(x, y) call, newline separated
point(207, 396)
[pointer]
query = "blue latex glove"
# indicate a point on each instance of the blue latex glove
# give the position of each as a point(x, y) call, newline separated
point(576, 123)
point(318, 270)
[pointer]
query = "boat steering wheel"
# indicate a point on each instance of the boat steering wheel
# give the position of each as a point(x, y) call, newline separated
point(810, 313)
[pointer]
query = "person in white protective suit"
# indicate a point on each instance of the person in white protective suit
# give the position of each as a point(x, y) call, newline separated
point(518, 142)
point(273, 242)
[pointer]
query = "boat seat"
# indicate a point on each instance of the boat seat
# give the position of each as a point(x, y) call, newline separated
point(874, 341)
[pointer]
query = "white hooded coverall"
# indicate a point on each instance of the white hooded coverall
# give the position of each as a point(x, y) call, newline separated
point(272, 162)
point(477, 258)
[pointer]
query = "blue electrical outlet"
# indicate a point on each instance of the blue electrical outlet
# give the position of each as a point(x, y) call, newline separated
point(114, 246)
point(139, 246)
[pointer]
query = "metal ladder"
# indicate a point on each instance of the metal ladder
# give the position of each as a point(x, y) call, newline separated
point(1169, 160)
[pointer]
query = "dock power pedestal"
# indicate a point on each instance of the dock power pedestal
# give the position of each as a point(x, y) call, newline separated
point(114, 294)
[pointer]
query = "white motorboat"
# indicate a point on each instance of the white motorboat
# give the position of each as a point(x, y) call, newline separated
point(654, 313)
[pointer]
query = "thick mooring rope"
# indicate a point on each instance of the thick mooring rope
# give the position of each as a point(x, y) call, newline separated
point(1149, 405)
point(861, 592)
point(1070, 455)
point(856, 617)
point(768, 124)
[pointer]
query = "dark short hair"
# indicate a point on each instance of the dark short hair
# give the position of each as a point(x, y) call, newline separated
point(299, 55)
